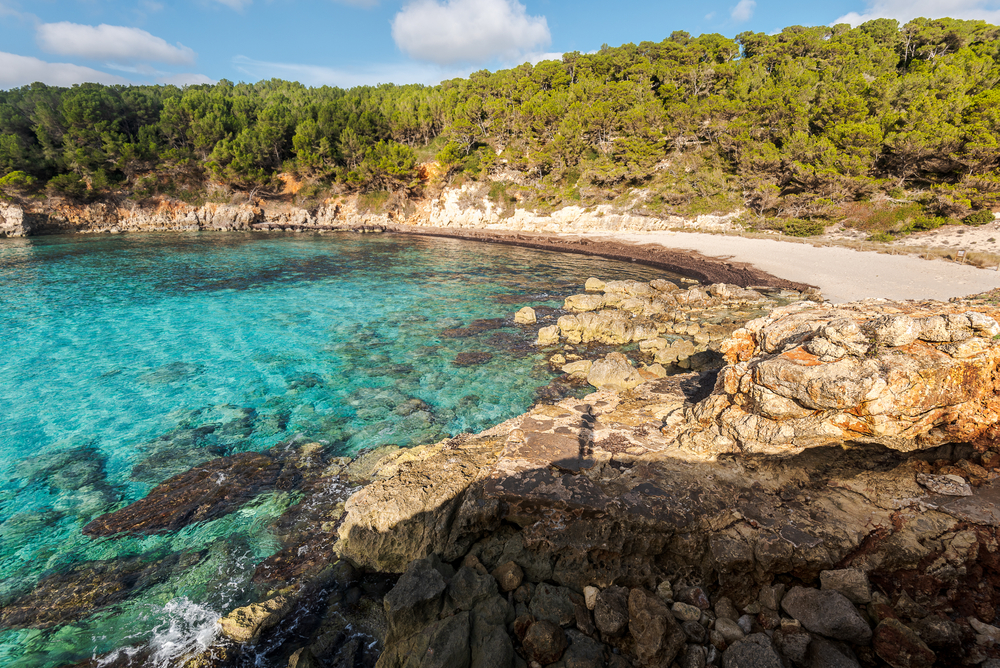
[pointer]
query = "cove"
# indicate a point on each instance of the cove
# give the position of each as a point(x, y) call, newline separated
point(130, 359)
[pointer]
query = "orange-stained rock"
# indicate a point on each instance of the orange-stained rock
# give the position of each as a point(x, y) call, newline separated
point(809, 375)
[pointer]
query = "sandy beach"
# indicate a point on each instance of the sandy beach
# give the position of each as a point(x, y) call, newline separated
point(842, 274)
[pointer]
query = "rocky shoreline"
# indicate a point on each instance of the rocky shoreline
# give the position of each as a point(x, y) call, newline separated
point(449, 222)
point(758, 479)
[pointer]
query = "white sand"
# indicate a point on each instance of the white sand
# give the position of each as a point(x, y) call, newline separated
point(841, 273)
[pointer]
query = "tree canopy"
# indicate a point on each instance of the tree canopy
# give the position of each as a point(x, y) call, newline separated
point(781, 123)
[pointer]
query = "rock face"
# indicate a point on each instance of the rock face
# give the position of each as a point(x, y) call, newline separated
point(414, 505)
point(903, 375)
point(442, 618)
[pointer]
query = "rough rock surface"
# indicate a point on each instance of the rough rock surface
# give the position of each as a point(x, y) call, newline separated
point(206, 492)
point(904, 375)
point(828, 613)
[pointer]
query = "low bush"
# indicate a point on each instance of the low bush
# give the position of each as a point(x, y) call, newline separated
point(797, 227)
point(67, 185)
point(978, 218)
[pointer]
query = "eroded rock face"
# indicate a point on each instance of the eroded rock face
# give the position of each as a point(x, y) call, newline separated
point(904, 375)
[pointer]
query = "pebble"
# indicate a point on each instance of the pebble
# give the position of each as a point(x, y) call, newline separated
point(590, 596)
point(685, 612)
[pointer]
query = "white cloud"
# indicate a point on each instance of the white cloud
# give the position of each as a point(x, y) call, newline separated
point(185, 79)
point(18, 70)
point(316, 75)
point(906, 10)
point(114, 43)
point(468, 31)
point(535, 58)
point(743, 11)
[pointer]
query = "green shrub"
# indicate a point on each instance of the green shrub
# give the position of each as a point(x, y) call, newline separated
point(797, 227)
point(67, 185)
point(17, 182)
point(881, 236)
point(929, 223)
point(978, 218)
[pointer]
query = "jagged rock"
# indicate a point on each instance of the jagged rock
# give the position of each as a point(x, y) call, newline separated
point(584, 302)
point(525, 316)
point(614, 372)
point(469, 588)
point(823, 653)
point(416, 599)
point(988, 631)
point(754, 651)
point(658, 638)
point(900, 646)
point(770, 597)
point(400, 517)
point(582, 652)
point(828, 613)
point(554, 604)
point(509, 576)
point(807, 375)
point(950, 485)
point(204, 493)
point(363, 467)
point(793, 643)
point(611, 611)
point(850, 582)
point(442, 644)
point(724, 609)
point(695, 656)
point(245, 624)
point(662, 285)
point(729, 629)
point(590, 597)
point(545, 642)
point(548, 336)
point(578, 369)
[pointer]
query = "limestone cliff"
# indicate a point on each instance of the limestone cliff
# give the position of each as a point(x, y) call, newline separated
point(456, 208)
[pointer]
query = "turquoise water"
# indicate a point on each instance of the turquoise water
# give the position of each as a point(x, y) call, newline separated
point(126, 360)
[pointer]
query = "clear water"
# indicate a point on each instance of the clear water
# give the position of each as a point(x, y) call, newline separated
point(126, 360)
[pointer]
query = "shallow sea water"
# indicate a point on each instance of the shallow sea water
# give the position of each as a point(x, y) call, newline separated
point(126, 360)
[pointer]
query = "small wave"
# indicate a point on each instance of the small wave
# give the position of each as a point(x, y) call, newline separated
point(187, 629)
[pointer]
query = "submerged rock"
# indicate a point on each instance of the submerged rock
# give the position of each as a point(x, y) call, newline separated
point(86, 588)
point(203, 493)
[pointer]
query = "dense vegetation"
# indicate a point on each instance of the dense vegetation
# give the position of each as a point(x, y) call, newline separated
point(894, 126)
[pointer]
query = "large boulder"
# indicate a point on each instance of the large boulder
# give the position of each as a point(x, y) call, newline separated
point(657, 635)
point(902, 375)
point(401, 516)
point(614, 372)
point(827, 613)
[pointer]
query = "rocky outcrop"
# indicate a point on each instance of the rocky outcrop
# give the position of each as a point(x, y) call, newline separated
point(610, 495)
point(907, 376)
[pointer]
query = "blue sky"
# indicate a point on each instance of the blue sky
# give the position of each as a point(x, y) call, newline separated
point(355, 42)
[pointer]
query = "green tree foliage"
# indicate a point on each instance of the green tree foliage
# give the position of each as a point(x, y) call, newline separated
point(782, 123)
